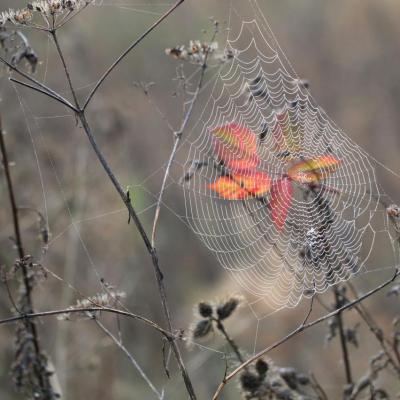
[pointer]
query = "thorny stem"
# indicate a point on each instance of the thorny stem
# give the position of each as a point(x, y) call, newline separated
point(26, 280)
point(178, 137)
point(300, 329)
point(343, 342)
point(128, 50)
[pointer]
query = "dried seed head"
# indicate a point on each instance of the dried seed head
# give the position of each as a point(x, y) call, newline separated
point(226, 309)
point(205, 309)
point(202, 328)
point(250, 382)
point(262, 368)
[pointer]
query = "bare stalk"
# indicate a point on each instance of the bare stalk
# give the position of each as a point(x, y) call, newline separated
point(300, 329)
point(66, 70)
point(44, 89)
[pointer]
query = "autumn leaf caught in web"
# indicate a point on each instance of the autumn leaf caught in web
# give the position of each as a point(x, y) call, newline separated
point(236, 147)
point(280, 201)
point(240, 187)
point(314, 170)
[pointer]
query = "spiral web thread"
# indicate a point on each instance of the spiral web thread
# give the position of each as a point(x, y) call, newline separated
point(330, 231)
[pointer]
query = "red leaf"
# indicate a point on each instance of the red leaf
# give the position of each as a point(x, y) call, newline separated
point(236, 147)
point(280, 201)
point(240, 187)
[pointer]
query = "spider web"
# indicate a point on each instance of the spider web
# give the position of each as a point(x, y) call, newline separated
point(265, 263)
point(331, 229)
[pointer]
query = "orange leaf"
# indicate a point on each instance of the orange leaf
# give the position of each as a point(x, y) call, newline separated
point(314, 170)
point(239, 187)
point(280, 201)
point(236, 147)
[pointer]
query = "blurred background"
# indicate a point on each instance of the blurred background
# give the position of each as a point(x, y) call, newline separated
point(348, 50)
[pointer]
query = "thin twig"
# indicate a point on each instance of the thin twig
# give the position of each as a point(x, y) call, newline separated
point(46, 90)
point(300, 329)
point(131, 358)
point(128, 50)
point(66, 70)
point(231, 342)
point(42, 91)
point(66, 311)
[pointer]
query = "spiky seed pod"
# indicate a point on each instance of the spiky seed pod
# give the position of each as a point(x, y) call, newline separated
point(225, 310)
point(250, 382)
point(262, 368)
point(205, 309)
point(202, 328)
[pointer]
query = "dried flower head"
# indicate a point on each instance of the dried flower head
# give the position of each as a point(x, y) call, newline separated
point(104, 299)
point(197, 51)
point(226, 309)
point(202, 328)
point(45, 8)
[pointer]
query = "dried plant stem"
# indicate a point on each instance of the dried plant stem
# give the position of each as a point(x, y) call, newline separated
point(26, 280)
point(300, 329)
point(177, 139)
point(151, 250)
point(128, 50)
point(109, 310)
point(343, 343)
point(36, 85)
point(231, 342)
point(66, 70)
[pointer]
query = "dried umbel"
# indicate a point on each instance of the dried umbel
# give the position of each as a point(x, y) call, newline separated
point(197, 51)
point(45, 8)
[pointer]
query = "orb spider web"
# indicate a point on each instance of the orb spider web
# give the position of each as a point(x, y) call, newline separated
point(288, 203)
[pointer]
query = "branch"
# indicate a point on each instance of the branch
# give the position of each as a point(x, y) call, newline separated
point(128, 314)
point(38, 89)
point(45, 89)
point(66, 71)
point(128, 50)
point(300, 329)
